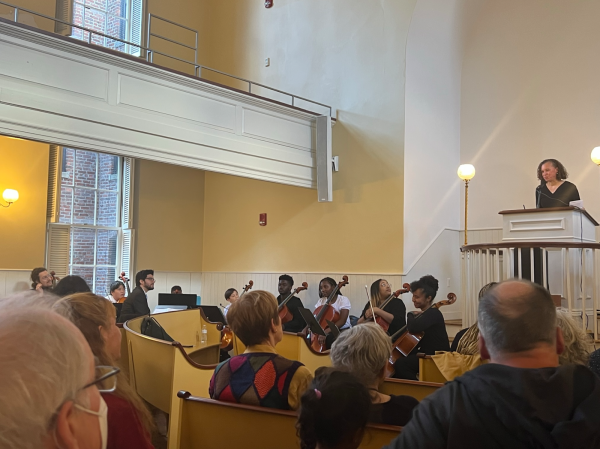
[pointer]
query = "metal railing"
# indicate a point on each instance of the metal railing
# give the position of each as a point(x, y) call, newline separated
point(150, 52)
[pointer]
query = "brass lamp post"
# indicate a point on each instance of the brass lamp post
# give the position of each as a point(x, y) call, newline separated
point(466, 172)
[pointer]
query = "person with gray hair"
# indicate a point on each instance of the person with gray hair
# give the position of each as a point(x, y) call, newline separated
point(48, 396)
point(364, 351)
point(523, 398)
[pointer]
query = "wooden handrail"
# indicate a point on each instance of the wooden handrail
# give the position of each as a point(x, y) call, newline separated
point(531, 244)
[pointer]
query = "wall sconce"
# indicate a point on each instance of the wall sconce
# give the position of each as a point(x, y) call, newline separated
point(466, 172)
point(10, 196)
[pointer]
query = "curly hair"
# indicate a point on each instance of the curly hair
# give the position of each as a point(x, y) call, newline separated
point(562, 171)
point(333, 411)
point(577, 345)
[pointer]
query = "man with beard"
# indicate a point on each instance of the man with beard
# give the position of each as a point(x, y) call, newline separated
point(136, 303)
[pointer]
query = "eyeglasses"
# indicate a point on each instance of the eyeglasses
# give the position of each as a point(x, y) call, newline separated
point(150, 279)
point(105, 378)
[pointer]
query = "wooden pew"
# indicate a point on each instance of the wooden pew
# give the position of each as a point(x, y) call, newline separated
point(159, 369)
point(207, 424)
point(293, 347)
point(428, 370)
point(185, 326)
point(416, 389)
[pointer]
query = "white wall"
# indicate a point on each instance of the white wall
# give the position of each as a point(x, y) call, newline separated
point(530, 91)
point(432, 139)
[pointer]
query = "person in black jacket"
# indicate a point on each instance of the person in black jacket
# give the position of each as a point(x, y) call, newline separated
point(428, 320)
point(394, 313)
point(523, 398)
point(136, 303)
point(284, 287)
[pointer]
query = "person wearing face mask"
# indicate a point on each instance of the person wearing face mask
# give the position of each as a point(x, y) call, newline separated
point(130, 423)
point(49, 394)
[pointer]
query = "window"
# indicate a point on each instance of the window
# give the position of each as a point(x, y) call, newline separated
point(88, 236)
point(118, 18)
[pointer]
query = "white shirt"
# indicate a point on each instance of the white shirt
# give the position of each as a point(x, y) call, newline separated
point(226, 309)
point(342, 303)
point(111, 299)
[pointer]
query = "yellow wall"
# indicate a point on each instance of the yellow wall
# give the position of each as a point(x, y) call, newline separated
point(346, 53)
point(46, 7)
point(168, 217)
point(23, 167)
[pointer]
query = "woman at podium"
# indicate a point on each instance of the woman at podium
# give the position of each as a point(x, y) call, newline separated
point(554, 190)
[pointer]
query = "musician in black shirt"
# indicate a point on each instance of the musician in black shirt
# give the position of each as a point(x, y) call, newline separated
point(394, 313)
point(428, 320)
point(284, 287)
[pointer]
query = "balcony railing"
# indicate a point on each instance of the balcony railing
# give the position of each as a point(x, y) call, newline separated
point(571, 271)
point(149, 52)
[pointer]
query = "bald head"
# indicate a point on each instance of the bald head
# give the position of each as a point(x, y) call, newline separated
point(516, 316)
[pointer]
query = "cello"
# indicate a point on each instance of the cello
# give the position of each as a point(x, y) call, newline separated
point(125, 281)
point(284, 313)
point(325, 313)
point(404, 342)
point(379, 320)
point(226, 333)
point(55, 278)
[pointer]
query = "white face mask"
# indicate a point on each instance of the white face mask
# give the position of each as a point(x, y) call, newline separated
point(102, 415)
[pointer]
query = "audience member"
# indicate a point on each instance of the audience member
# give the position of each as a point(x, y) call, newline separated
point(523, 398)
point(466, 340)
point(49, 395)
point(255, 321)
point(577, 343)
point(129, 421)
point(136, 303)
point(333, 411)
point(176, 290)
point(71, 284)
point(117, 292)
point(364, 351)
point(41, 279)
point(595, 362)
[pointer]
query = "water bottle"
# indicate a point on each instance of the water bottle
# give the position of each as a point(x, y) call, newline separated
point(204, 338)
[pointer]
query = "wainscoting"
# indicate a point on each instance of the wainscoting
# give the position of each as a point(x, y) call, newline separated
point(14, 281)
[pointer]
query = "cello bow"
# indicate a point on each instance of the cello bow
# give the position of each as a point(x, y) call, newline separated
point(284, 313)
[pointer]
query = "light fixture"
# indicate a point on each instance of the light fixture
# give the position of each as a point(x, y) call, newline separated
point(466, 172)
point(10, 196)
point(596, 155)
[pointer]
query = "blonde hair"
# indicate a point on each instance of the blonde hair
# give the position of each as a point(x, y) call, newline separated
point(250, 317)
point(362, 350)
point(577, 345)
point(88, 312)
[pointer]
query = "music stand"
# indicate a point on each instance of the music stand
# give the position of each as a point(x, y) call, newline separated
point(312, 322)
point(214, 314)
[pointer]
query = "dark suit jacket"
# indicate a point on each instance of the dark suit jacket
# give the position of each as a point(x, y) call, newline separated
point(135, 305)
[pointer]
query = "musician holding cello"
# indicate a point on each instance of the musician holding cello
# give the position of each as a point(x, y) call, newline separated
point(284, 287)
point(341, 305)
point(390, 309)
point(427, 320)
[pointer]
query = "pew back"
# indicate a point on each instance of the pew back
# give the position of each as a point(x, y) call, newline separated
point(205, 423)
point(418, 390)
point(428, 370)
point(185, 326)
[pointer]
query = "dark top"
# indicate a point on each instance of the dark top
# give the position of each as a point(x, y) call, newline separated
point(135, 305)
point(496, 406)
point(431, 322)
point(397, 308)
point(565, 193)
point(457, 338)
point(297, 323)
point(125, 429)
point(595, 361)
point(396, 412)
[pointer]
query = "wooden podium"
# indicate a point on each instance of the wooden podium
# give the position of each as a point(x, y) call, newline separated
point(528, 230)
point(556, 224)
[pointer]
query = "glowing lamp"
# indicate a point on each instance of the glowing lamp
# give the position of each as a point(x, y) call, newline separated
point(596, 155)
point(466, 172)
point(10, 196)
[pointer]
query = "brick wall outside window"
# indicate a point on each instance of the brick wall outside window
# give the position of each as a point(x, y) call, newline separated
point(106, 16)
point(90, 189)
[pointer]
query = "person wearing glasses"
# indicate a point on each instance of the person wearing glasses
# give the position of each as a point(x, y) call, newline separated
point(395, 310)
point(49, 397)
point(136, 303)
point(130, 423)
